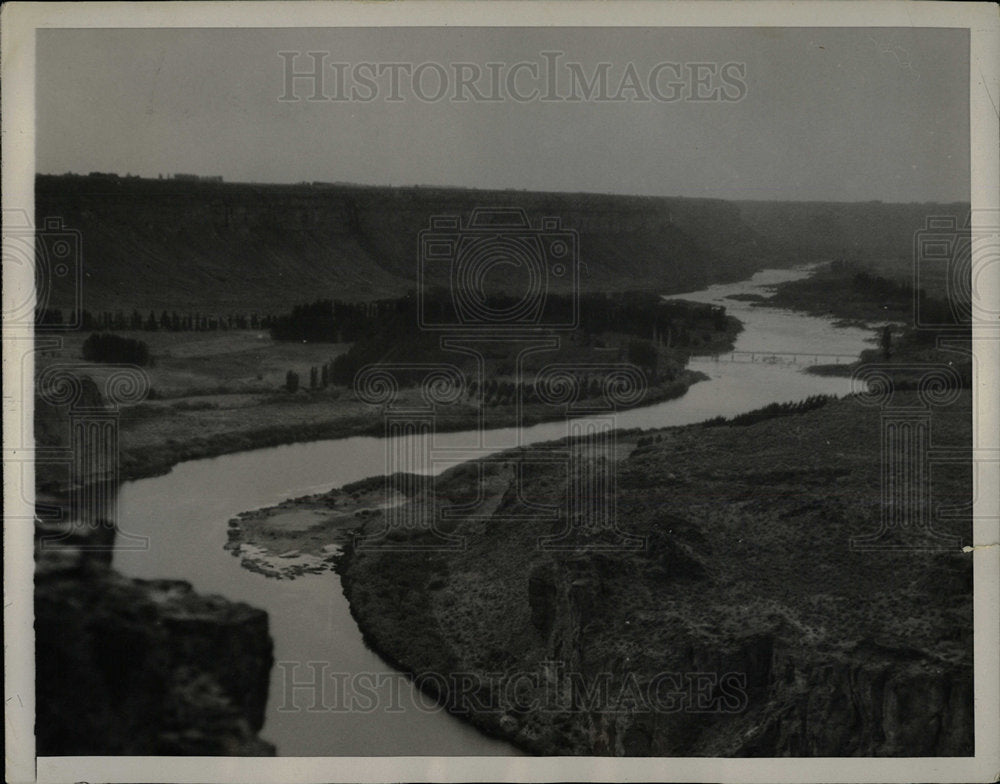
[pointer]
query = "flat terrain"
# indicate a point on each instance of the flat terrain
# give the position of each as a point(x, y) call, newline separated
point(218, 392)
point(188, 365)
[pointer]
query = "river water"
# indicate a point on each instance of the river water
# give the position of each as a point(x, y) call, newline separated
point(185, 513)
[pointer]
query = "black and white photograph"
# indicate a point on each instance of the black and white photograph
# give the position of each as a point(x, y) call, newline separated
point(520, 391)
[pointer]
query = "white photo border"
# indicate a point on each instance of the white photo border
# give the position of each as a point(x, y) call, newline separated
point(18, 24)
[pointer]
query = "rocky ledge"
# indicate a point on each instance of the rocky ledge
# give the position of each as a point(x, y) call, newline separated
point(141, 667)
point(754, 618)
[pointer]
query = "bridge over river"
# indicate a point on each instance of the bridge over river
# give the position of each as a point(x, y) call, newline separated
point(777, 358)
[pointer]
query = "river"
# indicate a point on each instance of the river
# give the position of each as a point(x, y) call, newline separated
point(185, 512)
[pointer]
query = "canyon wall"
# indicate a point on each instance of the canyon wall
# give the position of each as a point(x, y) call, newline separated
point(225, 247)
point(164, 244)
point(863, 231)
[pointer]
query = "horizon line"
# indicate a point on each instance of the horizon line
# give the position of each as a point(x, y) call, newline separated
point(207, 179)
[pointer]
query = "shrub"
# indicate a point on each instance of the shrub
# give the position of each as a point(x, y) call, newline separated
point(109, 348)
point(771, 411)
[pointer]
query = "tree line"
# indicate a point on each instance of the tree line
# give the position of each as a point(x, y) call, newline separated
point(165, 321)
point(388, 330)
point(933, 314)
point(333, 321)
point(320, 377)
point(635, 313)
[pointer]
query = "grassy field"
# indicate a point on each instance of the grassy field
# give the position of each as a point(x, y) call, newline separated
point(213, 393)
point(192, 364)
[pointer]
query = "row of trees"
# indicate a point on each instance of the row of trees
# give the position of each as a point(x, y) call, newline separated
point(336, 321)
point(634, 313)
point(771, 412)
point(502, 393)
point(164, 321)
point(389, 331)
point(333, 321)
point(494, 392)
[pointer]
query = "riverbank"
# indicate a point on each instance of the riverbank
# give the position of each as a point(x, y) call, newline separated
point(157, 434)
point(849, 294)
point(156, 437)
point(879, 298)
point(307, 535)
point(214, 393)
point(761, 582)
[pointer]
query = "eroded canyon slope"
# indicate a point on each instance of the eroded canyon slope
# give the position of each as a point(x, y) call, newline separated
point(243, 247)
point(751, 622)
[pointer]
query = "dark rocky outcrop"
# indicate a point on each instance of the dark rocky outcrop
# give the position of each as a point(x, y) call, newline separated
point(871, 702)
point(867, 700)
point(135, 667)
point(141, 667)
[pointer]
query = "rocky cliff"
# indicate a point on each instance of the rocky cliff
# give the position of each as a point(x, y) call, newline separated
point(754, 616)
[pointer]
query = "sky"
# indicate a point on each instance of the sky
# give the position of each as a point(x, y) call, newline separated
point(839, 114)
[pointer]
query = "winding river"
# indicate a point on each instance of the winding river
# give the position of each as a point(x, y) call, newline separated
point(184, 513)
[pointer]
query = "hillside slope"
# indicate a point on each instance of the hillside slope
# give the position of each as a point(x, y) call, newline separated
point(873, 233)
point(166, 244)
point(747, 626)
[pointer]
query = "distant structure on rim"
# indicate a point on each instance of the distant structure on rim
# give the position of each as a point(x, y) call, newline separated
point(198, 177)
